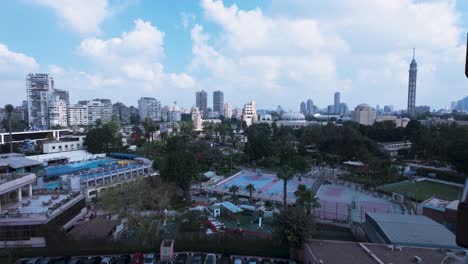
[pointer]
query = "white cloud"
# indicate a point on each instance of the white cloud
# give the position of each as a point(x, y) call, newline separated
point(83, 16)
point(269, 57)
point(13, 68)
point(187, 19)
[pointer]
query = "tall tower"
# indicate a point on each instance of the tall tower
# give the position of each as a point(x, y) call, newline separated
point(413, 72)
point(336, 104)
point(218, 102)
point(201, 101)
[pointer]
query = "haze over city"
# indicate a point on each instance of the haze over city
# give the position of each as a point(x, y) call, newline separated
point(275, 52)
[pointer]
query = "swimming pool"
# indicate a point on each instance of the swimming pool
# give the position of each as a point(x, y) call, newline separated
point(78, 166)
point(52, 185)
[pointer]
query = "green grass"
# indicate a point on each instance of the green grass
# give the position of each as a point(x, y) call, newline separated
point(426, 189)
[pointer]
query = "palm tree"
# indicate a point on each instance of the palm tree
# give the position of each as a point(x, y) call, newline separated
point(285, 174)
point(233, 189)
point(9, 109)
point(306, 198)
point(250, 188)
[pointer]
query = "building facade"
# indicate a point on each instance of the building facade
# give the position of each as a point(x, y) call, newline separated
point(227, 111)
point(201, 101)
point(77, 115)
point(39, 90)
point(149, 107)
point(364, 114)
point(303, 108)
point(197, 119)
point(218, 102)
point(336, 104)
point(58, 113)
point(249, 113)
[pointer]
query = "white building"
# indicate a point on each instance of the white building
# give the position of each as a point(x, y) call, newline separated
point(197, 119)
point(249, 113)
point(58, 113)
point(149, 107)
point(67, 143)
point(364, 114)
point(293, 119)
point(94, 112)
point(392, 148)
point(77, 115)
point(399, 122)
point(227, 111)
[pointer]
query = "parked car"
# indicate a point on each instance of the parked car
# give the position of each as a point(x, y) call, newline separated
point(224, 259)
point(237, 261)
point(94, 260)
point(150, 258)
point(124, 259)
point(210, 259)
point(197, 259)
point(137, 258)
point(108, 260)
point(77, 260)
point(181, 259)
point(252, 261)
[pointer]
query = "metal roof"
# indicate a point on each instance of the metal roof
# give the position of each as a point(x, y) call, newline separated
point(17, 161)
point(414, 230)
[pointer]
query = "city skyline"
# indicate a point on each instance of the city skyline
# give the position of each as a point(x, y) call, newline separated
point(125, 51)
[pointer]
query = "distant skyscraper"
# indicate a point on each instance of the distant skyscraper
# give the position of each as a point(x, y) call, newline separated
point(337, 103)
point(310, 107)
point(413, 71)
point(388, 109)
point(227, 113)
point(218, 102)
point(39, 88)
point(249, 113)
point(149, 107)
point(202, 102)
point(304, 108)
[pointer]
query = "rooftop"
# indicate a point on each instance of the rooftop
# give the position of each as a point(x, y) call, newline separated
point(352, 252)
point(413, 230)
point(16, 161)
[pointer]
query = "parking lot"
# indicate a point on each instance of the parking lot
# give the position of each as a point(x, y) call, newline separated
point(152, 258)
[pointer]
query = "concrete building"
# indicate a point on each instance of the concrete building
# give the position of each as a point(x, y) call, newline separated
point(293, 119)
point(39, 90)
point(121, 113)
point(303, 108)
point(77, 115)
point(422, 109)
point(392, 148)
point(218, 102)
point(149, 107)
point(58, 113)
point(310, 107)
point(413, 72)
point(42, 135)
point(106, 110)
point(227, 111)
point(197, 119)
point(174, 116)
point(388, 109)
point(62, 95)
point(364, 114)
point(94, 112)
point(441, 211)
point(399, 121)
point(66, 143)
point(249, 113)
point(336, 105)
point(201, 101)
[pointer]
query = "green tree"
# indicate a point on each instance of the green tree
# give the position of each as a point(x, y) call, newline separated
point(250, 188)
point(285, 174)
point(9, 110)
point(306, 198)
point(105, 138)
point(180, 167)
point(135, 119)
point(294, 227)
point(258, 141)
point(234, 189)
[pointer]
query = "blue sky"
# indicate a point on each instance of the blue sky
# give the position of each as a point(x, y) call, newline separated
point(276, 52)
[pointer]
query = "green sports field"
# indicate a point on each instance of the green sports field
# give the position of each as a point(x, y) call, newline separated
point(423, 190)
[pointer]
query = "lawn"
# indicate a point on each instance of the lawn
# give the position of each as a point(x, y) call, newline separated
point(425, 189)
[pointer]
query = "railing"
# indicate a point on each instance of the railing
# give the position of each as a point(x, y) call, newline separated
point(6, 177)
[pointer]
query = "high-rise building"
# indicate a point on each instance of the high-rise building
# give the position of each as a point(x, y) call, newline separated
point(39, 89)
point(388, 109)
point(343, 109)
point(303, 108)
point(197, 119)
point(149, 107)
point(58, 113)
point(218, 102)
point(249, 113)
point(413, 72)
point(121, 113)
point(106, 110)
point(201, 101)
point(62, 95)
point(227, 111)
point(94, 112)
point(336, 104)
point(77, 115)
point(310, 107)
point(422, 109)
